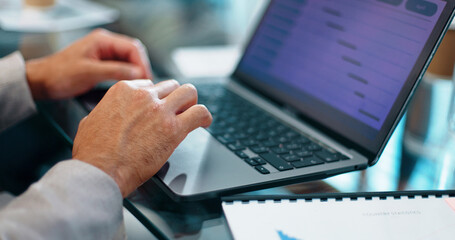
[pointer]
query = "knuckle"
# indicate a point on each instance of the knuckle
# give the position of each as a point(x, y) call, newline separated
point(174, 83)
point(170, 127)
point(206, 116)
point(190, 89)
point(114, 88)
point(156, 108)
point(82, 122)
point(121, 85)
point(139, 94)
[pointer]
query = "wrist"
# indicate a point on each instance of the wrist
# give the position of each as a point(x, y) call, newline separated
point(35, 74)
point(118, 174)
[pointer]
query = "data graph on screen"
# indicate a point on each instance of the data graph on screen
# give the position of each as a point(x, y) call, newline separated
point(353, 55)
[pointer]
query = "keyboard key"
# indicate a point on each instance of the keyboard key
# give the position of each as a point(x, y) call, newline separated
point(232, 119)
point(302, 153)
point(292, 146)
point(251, 130)
point(251, 161)
point(241, 124)
point(216, 131)
point(262, 170)
point(223, 114)
point(270, 143)
point(261, 137)
point(259, 149)
point(276, 162)
point(225, 140)
point(241, 154)
point(291, 134)
point(282, 128)
point(303, 140)
point(290, 157)
point(230, 130)
point(327, 156)
point(259, 160)
point(249, 142)
point(280, 150)
point(263, 127)
point(283, 139)
point(307, 162)
point(300, 164)
point(236, 147)
point(273, 133)
point(272, 123)
point(213, 108)
point(313, 147)
point(240, 136)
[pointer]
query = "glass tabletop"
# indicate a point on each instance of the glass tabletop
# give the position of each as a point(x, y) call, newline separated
point(397, 170)
point(400, 168)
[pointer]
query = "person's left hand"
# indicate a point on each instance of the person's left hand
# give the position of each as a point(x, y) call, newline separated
point(100, 56)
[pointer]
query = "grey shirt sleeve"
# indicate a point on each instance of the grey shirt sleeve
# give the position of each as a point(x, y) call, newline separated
point(74, 200)
point(16, 102)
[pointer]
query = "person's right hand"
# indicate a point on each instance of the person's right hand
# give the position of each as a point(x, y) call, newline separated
point(136, 127)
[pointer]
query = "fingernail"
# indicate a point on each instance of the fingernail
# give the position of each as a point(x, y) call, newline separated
point(136, 73)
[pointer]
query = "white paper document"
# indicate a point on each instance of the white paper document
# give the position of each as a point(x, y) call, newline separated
point(392, 219)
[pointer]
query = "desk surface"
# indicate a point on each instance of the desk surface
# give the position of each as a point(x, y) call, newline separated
point(400, 167)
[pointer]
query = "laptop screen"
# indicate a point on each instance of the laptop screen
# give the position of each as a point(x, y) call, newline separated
point(342, 63)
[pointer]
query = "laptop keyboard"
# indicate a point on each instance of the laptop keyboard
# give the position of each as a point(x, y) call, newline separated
point(257, 137)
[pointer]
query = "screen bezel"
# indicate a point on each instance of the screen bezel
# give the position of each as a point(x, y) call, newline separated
point(371, 152)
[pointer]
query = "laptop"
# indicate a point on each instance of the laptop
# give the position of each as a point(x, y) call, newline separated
point(318, 91)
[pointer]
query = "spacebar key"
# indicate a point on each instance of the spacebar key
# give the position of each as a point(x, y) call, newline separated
point(276, 162)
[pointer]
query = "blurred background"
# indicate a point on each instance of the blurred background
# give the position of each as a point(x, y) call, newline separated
point(163, 25)
point(168, 25)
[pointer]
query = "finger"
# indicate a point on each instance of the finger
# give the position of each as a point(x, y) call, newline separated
point(138, 55)
point(182, 98)
point(163, 89)
point(106, 70)
point(194, 117)
point(126, 49)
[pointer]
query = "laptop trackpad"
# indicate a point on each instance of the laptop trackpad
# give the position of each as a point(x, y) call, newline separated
point(201, 164)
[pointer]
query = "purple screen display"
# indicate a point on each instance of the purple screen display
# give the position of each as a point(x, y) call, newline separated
point(353, 55)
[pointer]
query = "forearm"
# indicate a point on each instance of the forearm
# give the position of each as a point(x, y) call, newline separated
point(74, 200)
point(16, 102)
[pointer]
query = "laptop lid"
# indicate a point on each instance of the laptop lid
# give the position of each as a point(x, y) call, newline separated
point(347, 67)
